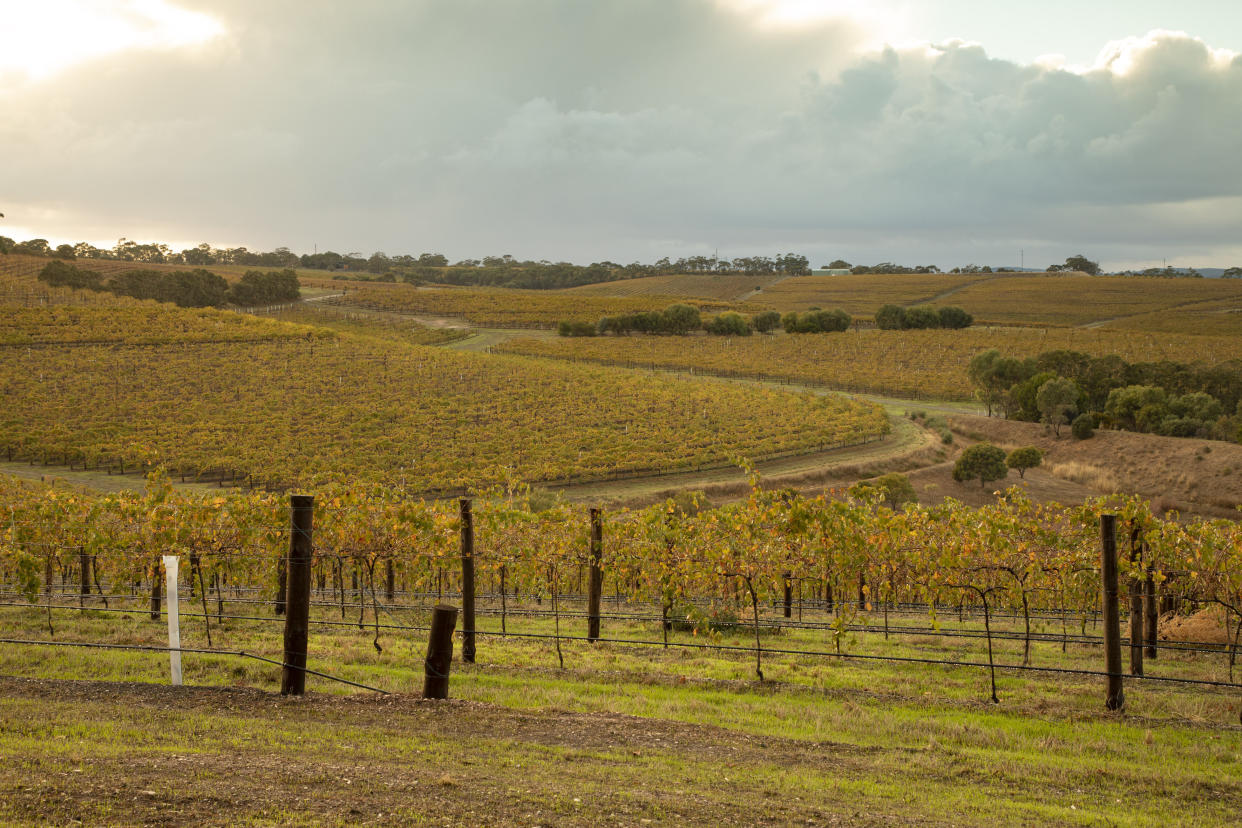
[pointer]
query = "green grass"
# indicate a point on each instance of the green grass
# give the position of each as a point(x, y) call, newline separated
point(863, 742)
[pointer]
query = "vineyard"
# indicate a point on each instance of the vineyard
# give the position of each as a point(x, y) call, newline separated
point(502, 308)
point(140, 323)
point(1003, 590)
point(1083, 300)
point(863, 294)
point(927, 364)
point(309, 407)
point(718, 286)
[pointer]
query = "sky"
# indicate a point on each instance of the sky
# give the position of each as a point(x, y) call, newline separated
point(944, 132)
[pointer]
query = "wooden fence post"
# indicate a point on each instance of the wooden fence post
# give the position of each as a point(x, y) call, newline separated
point(1116, 698)
point(1153, 616)
point(788, 594)
point(84, 567)
point(298, 584)
point(467, 586)
point(282, 584)
point(155, 589)
point(595, 585)
point(1136, 603)
point(439, 652)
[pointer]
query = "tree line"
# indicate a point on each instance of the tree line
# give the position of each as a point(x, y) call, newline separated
point(497, 271)
point(1073, 388)
point(196, 288)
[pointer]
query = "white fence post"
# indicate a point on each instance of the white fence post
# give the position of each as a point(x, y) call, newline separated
point(174, 618)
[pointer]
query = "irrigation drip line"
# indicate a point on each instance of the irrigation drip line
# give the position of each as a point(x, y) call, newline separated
point(1207, 647)
point(155, 649)
point(860, 656)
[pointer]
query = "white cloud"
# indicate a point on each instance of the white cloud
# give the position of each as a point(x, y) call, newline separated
point(41, 39)
point(632, 130)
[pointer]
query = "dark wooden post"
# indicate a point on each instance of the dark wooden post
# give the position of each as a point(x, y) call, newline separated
point(390, 586)
point(298, 584)
point(467, 585)
point(84, 566)
point(788, 595)
point(1136, 603)
point(282, 584)
point(156, 583)
point(439, 652)
point(1116, 698)
point(595, 585)
point(1153, 616)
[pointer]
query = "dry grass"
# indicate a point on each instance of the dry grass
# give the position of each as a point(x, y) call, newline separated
point(1186, 474)
point(1207, 625)
point(1093, 477)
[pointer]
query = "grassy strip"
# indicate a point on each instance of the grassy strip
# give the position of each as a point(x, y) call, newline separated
point(630, 733)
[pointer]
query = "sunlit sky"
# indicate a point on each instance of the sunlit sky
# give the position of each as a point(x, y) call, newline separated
point(938, 131)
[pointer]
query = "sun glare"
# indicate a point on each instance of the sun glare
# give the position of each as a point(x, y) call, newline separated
point(40, 39)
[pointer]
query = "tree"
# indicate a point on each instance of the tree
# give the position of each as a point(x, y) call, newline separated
point(1232, 273)
point(1055, 400)
point(894, 489)
point(842, 264)
point(890, 318)
point(1021, 459)
point(1078, 263)
point(983, 462)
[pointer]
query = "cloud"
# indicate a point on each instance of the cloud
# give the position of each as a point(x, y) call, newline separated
point(552, 128)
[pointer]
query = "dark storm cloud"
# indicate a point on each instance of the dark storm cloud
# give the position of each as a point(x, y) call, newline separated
point(562, 129)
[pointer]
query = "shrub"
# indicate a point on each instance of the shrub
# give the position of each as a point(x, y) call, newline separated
point(729, 323)
point(954, 317)
point(1083, 427)
point(921, 318)
point(766, 321)
point(890, 318)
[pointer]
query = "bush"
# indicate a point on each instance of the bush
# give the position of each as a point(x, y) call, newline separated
point(569, 328)
point(921, 318)
point(1083, 427)
point(729, 323)
point(955, 317)
point(766, 321)
point(890, 318)
point(816, 321)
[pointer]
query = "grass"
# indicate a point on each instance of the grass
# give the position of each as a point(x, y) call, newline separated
point(621, 735)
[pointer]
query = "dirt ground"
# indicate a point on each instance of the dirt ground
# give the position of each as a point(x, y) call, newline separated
point(100, 752)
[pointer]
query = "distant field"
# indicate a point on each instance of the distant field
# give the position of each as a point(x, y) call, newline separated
point(863, 294)
point(1082, 300)
point(508, 308)
point(915, 364)
point(1193, 306)
point(139, 323)
point(305, 404)
point(723, 287)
